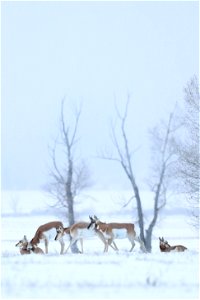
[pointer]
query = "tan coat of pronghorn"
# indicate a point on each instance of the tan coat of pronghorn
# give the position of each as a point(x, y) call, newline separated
point(23, 247)
point(165, 247)
point(46, 232)
point(79, 231)
point(112, 231)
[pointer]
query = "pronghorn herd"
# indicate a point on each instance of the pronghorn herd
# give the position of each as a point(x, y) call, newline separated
point(106, 232)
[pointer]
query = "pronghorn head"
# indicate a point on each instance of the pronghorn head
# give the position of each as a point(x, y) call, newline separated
point(94, 221)
point(163, 244)
point(22, 243)
point(97, 222)
point(60, 233)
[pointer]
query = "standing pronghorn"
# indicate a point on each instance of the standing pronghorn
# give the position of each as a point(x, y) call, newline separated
point(79, 231)
point(113, 231)
point(23, 247)
point(165, 247)
point(46, 232)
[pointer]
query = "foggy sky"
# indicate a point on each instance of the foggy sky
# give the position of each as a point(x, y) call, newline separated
point(93, 53)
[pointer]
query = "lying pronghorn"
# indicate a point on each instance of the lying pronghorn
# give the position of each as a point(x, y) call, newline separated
point(113, 231)
point(165, 247)
point(79, 231)
point(46, 232)
point(23, 247)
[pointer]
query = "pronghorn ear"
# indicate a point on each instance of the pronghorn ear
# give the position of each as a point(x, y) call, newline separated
point(160, 239)
point(95, 217)
point(25, 238)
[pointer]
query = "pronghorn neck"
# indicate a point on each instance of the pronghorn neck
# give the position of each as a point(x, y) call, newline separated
point(24, 247)
point(101, 226)
point(66, 230)
point(35, 240)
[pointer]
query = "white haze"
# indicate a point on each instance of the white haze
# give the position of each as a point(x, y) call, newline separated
point(91, 52)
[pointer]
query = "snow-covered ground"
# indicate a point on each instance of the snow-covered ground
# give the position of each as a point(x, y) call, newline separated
point(94, 274)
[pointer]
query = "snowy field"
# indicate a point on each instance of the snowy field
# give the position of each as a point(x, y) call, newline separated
point(94, 274)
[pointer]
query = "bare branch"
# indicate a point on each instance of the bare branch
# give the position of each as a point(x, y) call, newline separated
point(127, 203)
point(75, 127)
point(69, 180)
point(59, 176)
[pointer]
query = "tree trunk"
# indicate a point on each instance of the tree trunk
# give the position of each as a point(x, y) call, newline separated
point(148, 239)
point(70, 201)
point(139, 210)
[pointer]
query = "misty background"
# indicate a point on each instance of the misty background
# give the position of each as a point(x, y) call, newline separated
point(93, 54)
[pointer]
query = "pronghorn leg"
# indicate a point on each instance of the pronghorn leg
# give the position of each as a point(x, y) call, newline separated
point(131, 239)
point(46, 242)
point(102, 238)
point(133, 245)
point(114, 246)
point(62, 244)
point(73, 240)
point(110, 241)
point(67, 248)
point(81, 242)
point(106, 247)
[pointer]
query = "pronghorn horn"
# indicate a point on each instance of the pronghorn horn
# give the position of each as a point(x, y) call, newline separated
point(90, 218)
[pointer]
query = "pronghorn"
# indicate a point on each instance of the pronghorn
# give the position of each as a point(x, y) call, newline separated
point(79, 231)
point(46, 232)
point(165, 247)
point(113, 231)
point(23, 245)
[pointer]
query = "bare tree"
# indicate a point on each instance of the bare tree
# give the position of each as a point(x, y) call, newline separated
point(124, 156)
point(186, 145)
point(163, 160)
point(70, 175)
